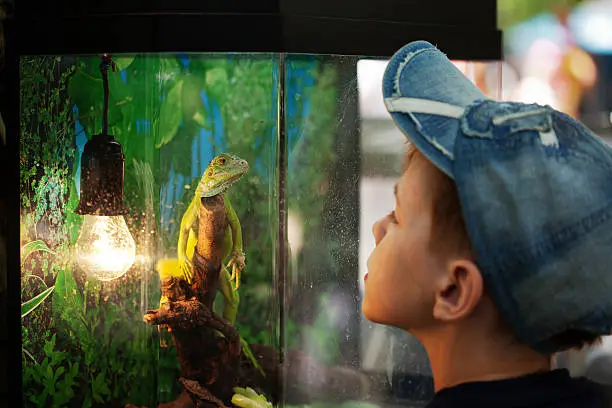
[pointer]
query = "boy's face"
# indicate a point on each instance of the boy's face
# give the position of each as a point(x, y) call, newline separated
point(402, 269)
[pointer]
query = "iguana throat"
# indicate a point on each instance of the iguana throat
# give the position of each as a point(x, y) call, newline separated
point(222, 172)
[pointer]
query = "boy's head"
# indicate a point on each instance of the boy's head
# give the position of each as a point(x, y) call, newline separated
point(503, 215)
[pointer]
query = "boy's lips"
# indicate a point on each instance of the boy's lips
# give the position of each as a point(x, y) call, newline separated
point(365, 277)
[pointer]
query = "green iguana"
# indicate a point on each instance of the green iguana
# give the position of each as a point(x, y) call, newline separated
point(222, 172)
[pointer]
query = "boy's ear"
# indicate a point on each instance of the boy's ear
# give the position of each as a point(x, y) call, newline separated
point(459, 291)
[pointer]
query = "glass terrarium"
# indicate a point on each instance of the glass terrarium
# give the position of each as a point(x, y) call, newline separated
point(195, 210)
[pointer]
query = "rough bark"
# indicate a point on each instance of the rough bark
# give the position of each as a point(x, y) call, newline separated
point(207, 346)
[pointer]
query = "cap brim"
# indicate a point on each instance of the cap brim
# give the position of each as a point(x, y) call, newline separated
point(420, 78)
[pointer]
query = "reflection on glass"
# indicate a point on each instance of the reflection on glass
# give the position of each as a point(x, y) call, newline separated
point(345, 155)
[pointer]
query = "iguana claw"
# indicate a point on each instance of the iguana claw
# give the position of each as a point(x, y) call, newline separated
point(237, 263)
point(186, 266)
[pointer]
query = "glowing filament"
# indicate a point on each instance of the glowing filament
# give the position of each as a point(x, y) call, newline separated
point(105, 248)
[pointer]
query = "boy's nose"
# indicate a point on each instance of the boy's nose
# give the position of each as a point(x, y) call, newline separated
point(379, 229)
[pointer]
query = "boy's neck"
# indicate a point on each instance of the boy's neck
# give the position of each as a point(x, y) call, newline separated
point(457, 360)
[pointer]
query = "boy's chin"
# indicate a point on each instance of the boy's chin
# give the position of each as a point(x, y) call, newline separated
point(368, 311)
point(375, 314)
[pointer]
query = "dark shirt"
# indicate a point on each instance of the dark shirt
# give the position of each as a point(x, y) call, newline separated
point(553, 389)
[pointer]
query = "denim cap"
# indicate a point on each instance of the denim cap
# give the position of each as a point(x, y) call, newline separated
point(535, 188)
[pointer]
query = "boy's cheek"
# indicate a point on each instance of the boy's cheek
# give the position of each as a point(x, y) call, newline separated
point(380, 269)
point(373, 305)
point(376, 258)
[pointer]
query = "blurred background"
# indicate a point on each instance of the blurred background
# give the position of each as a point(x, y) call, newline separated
point(559, 52)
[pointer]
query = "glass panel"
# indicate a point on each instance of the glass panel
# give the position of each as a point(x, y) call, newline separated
point(344, 155)
point(85, 342)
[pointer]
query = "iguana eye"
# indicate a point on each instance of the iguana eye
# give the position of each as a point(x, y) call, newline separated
point(222, 160)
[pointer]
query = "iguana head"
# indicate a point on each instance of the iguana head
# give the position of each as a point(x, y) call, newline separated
point(222, 171)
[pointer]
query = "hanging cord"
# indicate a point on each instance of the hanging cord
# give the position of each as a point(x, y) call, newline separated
point(106, 63)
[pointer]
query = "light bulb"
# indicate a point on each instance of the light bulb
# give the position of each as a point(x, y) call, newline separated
point(105, 247)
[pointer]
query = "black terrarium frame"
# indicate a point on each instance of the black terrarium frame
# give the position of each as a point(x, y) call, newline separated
point(341, 27)
point(358, 28)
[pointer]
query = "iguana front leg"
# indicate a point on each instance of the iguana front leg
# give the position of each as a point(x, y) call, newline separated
point(237, 260)
point(188, 223)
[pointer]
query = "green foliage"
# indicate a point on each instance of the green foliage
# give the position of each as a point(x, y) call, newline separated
point(47, 147)
point(312, 153)
point(311, 158)
point(45, 157)
point(31, 247)
point(52, 382)
point(36, 301)
point(511, 12)
point(27, 250)
point(250, 132)
point(73, 220)
point(169, 116)
point(102, 353)
point(321, 337)
point(113, 354)
point(46, 152)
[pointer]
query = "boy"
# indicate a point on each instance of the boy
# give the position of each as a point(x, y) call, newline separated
point(499, 251)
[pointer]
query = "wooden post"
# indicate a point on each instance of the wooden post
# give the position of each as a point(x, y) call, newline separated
point(207, 346)
point(207, 265)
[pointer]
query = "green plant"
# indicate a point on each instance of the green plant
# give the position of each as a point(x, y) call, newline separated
point(53, 381)
point(47, 145)
point(30, 305)
point(46, 156)
point(26, 251)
